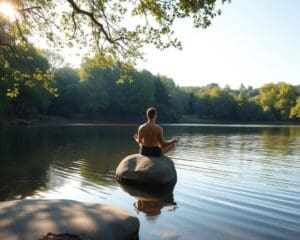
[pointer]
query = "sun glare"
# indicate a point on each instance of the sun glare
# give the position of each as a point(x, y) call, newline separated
point(7, 10)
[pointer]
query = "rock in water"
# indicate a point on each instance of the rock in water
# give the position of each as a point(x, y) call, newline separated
point(33, 219)
point(151, 201)
point(145, 170)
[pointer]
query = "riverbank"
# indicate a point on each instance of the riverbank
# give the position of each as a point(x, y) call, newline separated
point(53, 120)
point(190, 119)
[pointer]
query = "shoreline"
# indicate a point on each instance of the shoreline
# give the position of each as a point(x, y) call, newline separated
point(50, 120)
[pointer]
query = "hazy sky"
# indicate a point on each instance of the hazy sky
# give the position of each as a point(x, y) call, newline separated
point(252, 42)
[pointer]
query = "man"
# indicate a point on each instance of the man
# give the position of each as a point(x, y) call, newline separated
point(150, 137)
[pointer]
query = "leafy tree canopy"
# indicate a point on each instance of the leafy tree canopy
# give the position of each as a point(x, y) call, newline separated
point(116, 30)
point(28, 71)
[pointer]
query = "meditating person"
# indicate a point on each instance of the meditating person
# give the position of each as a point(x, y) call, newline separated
point(150, 137)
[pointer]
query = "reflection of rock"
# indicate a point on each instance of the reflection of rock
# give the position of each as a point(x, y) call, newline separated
point(151, 201)
point(164, 194)
point(142, 170)
point(32, 219)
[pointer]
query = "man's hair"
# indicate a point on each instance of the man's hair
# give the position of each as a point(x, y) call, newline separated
point(151, 112)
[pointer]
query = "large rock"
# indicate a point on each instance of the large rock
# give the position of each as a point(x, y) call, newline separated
point(145, 170)
point(33, 219)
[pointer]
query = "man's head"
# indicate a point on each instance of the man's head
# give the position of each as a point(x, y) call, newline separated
point(151, 113)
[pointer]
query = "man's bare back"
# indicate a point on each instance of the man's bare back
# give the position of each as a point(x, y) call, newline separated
point(150, 137)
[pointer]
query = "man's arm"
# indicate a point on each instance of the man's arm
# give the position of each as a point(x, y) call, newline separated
point(138, 137)
point(162, 140)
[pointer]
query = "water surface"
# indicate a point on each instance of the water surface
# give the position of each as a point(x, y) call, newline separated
point(234, 182)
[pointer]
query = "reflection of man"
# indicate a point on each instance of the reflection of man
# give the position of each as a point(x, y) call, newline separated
point(150, 137)
point(150, 208)
point(153, 207)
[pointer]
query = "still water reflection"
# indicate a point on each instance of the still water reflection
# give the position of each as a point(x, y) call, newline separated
point(234, 182)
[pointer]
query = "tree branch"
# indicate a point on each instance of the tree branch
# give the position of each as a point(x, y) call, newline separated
point(29, 9)
point(21, 33)
point(94, 20)
point(11, 48)
point(74, 23)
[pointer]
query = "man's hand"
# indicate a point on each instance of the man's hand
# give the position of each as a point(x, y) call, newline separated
point(136, 137)
point(175, 139)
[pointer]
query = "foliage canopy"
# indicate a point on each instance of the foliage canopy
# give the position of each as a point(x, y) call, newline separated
point(116, 30)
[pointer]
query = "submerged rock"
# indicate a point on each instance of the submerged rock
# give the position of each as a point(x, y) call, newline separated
point(33, 219)
point(151, 201)
point(144, 170)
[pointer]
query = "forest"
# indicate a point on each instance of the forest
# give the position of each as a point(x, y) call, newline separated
point(36, 85)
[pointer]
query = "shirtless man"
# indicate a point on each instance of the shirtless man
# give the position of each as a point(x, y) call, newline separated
point(150, 137)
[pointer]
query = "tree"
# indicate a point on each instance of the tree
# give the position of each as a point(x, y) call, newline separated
point(67, 101)
point(21, 66)
point(248, 109)
point(277, 99)
point(192, 103)
point(95, 83)
point(117, 30)
point(223, 104)
point(177, 98)
point(162, 98)
point(295, 111)
point(135, 96)
point(25, 82)
point(216, 103)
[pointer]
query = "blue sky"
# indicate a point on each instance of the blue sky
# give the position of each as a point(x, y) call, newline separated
point(252, 42)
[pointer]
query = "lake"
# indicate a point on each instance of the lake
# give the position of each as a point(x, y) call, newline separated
point(234, 181)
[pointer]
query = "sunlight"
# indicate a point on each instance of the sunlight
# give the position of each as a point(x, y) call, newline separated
point(7, 10)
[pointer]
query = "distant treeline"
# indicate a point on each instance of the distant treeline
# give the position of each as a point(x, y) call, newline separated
point(95, 93)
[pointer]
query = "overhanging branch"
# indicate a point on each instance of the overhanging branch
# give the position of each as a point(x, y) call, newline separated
point(11, 48)
point(94, 20)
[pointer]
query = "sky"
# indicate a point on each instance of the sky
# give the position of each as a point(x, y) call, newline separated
point(253, 42)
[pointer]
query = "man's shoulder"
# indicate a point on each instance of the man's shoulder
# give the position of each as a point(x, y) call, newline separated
point(146, 125)
point(158, 127)
point(142, 126)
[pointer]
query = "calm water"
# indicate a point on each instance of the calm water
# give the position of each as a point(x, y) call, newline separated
point(234, 182)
